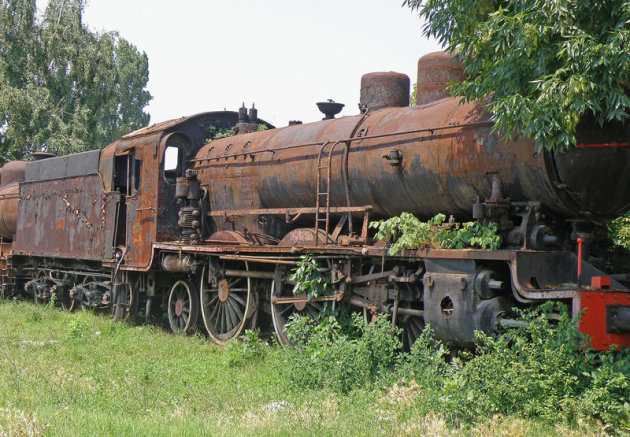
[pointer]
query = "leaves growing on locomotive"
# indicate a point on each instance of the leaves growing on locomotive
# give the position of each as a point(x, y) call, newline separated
point(308, 278)
point(408, 232)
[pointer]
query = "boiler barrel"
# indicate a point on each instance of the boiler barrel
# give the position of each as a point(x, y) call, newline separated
point(439, 157)
point(12, 174)
point(9, 198)
point(424, 173)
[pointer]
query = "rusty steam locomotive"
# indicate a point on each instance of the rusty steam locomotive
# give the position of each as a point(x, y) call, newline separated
point(161, 223)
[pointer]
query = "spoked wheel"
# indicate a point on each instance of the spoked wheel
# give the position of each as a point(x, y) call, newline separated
point(227, 304)
point(281, 312)
point(411, 324)
point(183, 307)
point(125, 305)
point(412, 327)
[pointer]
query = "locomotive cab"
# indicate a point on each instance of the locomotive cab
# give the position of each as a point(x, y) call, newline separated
point(141, 174)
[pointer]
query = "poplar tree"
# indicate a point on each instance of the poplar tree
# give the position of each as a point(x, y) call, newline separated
point(64, 88)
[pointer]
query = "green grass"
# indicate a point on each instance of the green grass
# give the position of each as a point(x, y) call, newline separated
point(82, 374)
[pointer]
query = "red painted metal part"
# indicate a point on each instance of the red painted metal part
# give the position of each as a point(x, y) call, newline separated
point(600, 282)
point(593, 323)
point(613, 144)
point(580, 241)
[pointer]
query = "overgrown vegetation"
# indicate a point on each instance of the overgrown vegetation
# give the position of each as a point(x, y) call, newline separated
point(540, 66)
point(408, 232)
point(309, 281)
point(214, 132)
point(545, 371)
point(68, 374)
point(327, 356)
point(619, 230)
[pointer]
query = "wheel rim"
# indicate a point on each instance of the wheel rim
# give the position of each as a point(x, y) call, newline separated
point(124, 304)
point(226, 307)
point(280, 313)
point(183, 307)
point(412, 326)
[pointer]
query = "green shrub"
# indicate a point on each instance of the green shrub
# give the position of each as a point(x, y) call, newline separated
point(326, 355)
point(619, 231)
point(246, 349)
point(543, 372)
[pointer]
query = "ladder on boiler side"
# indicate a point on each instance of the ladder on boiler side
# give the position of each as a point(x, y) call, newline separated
point(324, 196)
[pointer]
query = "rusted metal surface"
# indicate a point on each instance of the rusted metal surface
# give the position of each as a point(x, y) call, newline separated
point(11, 175)
point(5, 251)
point(260, 259)
point(12, 172)
point(286, 211)
point(61, 218)
point(9, 199)
point(306, 236)
point(436, 71)
point(140, 194)
point(384, 90)
point(335, 297)
point(444, 170)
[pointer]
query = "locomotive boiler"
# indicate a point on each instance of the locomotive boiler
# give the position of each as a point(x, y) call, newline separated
point(173, 225)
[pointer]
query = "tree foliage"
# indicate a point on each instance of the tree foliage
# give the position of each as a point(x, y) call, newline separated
point(64, 88)
point(619, 230)
point(541, 66)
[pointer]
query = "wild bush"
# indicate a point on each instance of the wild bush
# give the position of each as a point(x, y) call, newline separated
point(328, 355)
point(246, 349)
point(545, 371)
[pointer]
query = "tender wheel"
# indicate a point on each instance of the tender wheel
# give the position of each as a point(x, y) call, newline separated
point(125, 305)
point(183, 307)
point(39, 287)
point(281, 312)
point(227, 305)
point(74, 303)
point(65, 300)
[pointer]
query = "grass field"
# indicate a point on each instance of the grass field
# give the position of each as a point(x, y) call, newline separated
point(82, 374)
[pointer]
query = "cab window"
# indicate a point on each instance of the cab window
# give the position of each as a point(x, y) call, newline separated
point(172, 164)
